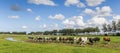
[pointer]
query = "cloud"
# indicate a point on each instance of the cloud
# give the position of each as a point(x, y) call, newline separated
point(94, 2)
point(44, 2)
point(97, 21)
point(37, 18)
point(75, 21)
point(68, 23)
point(89, 11)
point(103, 11)
point(24, 27)
point(49, 27)
point(15, 7)
point(116, 18)
point(29, 10)
point(98, 15)
point(57, 16)
point(14, 17)
point(74, 2)
point(55, 27)
point(44, 26)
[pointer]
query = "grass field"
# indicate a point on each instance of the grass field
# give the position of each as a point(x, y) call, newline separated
point(21, 46)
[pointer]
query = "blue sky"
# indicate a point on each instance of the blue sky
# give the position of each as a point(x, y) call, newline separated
point(41, 15)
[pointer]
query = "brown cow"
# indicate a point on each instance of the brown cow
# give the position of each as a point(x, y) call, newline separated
point(106, 39)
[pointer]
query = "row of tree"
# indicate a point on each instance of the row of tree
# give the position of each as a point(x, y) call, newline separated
point(18, 33)
point(112, 27)
point(68, 31)
point(58, 32)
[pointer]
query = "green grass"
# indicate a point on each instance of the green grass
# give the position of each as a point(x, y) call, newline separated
point(7, 46)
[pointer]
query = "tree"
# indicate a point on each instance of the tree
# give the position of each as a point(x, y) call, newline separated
point(109, 28)
point(5, 33)
point(114, 26)
point(118, 25)
point(54, 32)
point(19, 33)
point(67, 31)
point(97, 29)
point(104, 27)
point(77, 31)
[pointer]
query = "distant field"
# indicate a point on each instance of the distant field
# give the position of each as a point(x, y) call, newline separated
point(21, 46)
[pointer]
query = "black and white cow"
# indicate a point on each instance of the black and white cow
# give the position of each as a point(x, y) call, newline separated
point(30, 37)
point(93, 40)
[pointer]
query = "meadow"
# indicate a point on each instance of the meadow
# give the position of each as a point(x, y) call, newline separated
point(22, 46)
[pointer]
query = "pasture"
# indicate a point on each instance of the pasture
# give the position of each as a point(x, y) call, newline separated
point(22, 46)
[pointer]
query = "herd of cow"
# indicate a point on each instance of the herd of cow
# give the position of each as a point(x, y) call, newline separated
point(71, 40)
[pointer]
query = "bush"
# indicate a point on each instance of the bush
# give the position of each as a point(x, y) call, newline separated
point(118, 34)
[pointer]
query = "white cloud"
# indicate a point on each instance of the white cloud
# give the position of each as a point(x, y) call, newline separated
point(57, 16)
point(37, 18)
point(44, 26)
point(103, 11)
point(44, 2)
point(74, 21)
point(94, 2)
point(49, 27)
point(55, 27)
point(29, 10)
point(24, 27)
point(74, 2)
point(89, 11)
point(97, 21)
point(14, 17)
point(116, 18)
point(78, 20)
point(68, 23)
point(98, 16)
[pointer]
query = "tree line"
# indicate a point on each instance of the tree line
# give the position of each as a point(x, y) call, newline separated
point(58, 32)
point(113, 27)
point(18, 33)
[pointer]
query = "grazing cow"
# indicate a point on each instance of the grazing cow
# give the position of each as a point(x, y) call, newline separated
point(60, 39)
point(39, 39)
point(94, 39)
point(64, 39)
point(53, 39)
point(71, 40)
point(78, 40)
point(46, 39)
point(84, 40)
point(106, 39)
point(30, 37)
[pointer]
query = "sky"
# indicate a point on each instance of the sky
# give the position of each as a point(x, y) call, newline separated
point(42, 15)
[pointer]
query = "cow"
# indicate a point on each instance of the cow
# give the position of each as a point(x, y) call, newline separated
point(53, 39)
point(78, 40)
point(64, 39)
point(71, 40)
point(106, 39)
point(46, 39)
point(30, 37)
point(84, 40)
point(39, 39)
point(93, 40)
